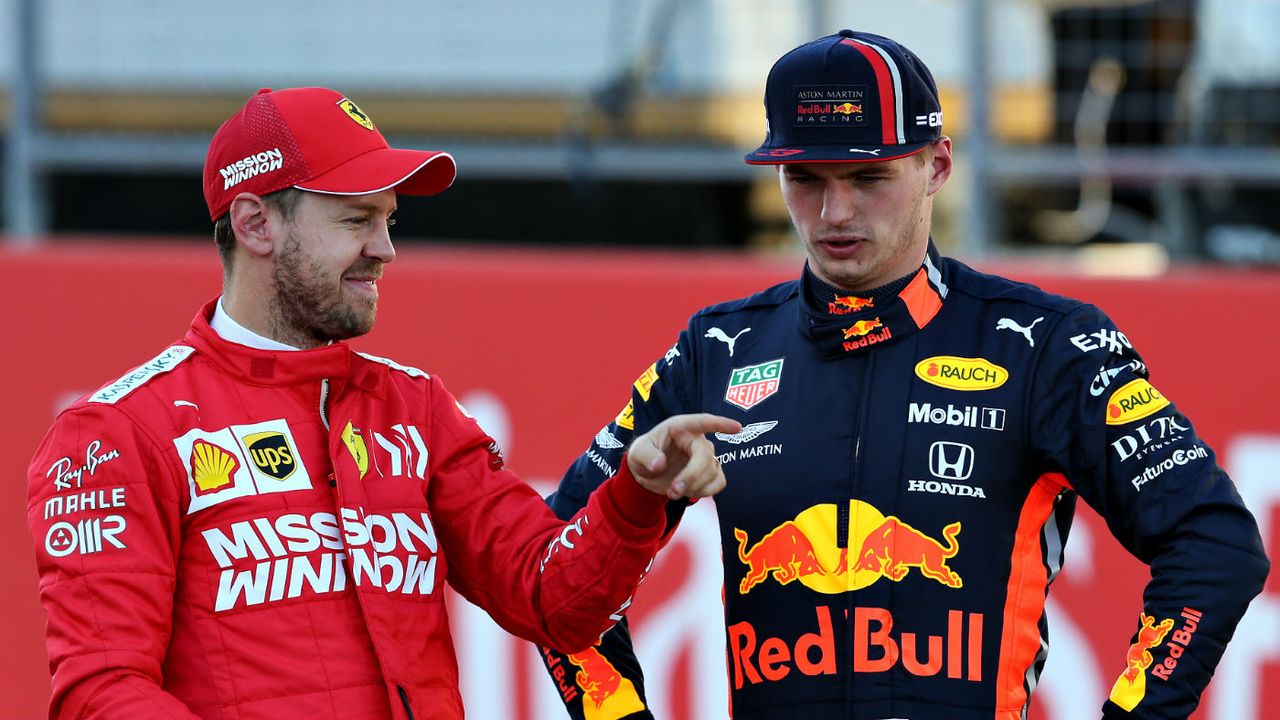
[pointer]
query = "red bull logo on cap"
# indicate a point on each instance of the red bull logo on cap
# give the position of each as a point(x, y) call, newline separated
point(806, 550)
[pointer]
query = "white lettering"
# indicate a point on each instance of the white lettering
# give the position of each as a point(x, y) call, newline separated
point(251, 166)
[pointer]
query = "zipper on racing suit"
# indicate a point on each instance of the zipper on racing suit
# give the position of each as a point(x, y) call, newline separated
point(844, 531)
point(324, 403)
point(404, 698)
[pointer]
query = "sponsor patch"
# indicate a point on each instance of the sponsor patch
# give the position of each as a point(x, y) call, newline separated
point(829, 106)
point(958, 373)
point(716, 333)
point(951, 460)
point(751, 385)
point(251, 167)
point(1180, 457)
point(355, 445)
point(845, 304)
point(644, 383)
point(1111, 340)
point(73, 503)
point(987, 418)
point(271, 454)
point(1134, 400)
point(64, 471)
point(1131, 687)
point(748, 432)
point(606, 440)
point(219, 467)
point(627, 417)
point(354, 112)
point(85, 537)
point(1148, 437)
point(162, 363)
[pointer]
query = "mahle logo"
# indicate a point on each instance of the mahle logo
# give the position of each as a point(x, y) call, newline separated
point(1134, 400)
point(749, 386)
point(957, 373)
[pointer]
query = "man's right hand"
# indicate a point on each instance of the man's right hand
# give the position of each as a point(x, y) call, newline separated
point(677, 460)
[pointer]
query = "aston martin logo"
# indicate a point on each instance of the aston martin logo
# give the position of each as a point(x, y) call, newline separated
point(748, 432)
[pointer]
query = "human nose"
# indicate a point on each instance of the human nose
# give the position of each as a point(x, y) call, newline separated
point(381, 247)
point(838, 203)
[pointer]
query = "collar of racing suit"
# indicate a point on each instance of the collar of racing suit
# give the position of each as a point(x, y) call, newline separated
point(335, 362)
point(853, 323)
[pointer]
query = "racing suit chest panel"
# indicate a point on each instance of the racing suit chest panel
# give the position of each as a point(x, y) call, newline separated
point(261, 531)
point(910, 458)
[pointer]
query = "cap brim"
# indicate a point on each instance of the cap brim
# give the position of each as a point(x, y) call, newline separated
point(832, 153)
point(410, 172)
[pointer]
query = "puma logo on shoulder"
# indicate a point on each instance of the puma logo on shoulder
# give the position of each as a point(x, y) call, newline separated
point(1007, 324)
point(718, 334)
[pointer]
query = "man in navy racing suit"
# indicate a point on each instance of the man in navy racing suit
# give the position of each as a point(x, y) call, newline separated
point(915, 435)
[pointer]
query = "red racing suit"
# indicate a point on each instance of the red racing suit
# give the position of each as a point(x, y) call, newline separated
point(234, 533)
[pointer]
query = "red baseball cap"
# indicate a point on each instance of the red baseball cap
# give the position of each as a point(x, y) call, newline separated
point(313, 139)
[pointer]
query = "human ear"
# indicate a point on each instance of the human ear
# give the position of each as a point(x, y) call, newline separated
point(249, 222)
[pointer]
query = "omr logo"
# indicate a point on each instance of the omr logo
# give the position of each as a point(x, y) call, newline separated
point(957, 373)
point(270, 453)
point(1134, 400)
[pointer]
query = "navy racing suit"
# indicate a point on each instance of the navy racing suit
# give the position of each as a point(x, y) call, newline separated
point(901, 493)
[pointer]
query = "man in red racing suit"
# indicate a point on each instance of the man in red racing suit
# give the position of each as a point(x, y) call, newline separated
point(259, 522)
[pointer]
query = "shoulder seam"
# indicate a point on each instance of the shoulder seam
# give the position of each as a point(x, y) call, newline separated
point(406, 369)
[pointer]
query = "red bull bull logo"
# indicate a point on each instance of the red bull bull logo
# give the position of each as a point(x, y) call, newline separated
point(860, 328)
point(608, 695)
point(807, 550)
point(1131, 686)
point(877, 647)
point(847, 108)
point(845, 304)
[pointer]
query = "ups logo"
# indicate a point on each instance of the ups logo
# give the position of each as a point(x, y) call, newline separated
point(270, 453)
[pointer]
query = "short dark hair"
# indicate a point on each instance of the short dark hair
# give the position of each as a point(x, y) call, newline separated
point(283, 201)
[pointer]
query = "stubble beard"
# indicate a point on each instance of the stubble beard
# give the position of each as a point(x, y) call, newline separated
point(306, 310)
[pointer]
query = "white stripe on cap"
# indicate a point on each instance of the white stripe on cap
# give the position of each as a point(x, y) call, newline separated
point(897, 87)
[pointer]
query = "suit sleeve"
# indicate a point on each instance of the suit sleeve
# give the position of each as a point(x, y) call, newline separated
point(104, 518)
point(661, 391)
point(554, 582)
point(1133, 457)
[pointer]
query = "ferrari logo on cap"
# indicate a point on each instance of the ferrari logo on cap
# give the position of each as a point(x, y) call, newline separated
point(354, 112)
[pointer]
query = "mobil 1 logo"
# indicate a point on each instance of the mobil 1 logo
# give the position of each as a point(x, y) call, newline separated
point(972, 416)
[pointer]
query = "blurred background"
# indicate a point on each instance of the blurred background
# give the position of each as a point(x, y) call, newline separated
point(1122, 151)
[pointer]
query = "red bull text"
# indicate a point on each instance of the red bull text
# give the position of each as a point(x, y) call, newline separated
point(877, 648)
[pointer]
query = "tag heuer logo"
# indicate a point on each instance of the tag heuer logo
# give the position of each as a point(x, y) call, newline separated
point(749, 386)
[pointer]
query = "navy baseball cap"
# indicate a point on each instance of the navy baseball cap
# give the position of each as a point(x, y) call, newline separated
point(848, 97)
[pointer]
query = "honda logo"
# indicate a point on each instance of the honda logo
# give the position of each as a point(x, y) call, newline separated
point(951, 460)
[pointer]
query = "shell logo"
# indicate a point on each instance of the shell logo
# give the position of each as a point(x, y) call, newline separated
point(1134, 400)
point(211, 467)
point(957, 373)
